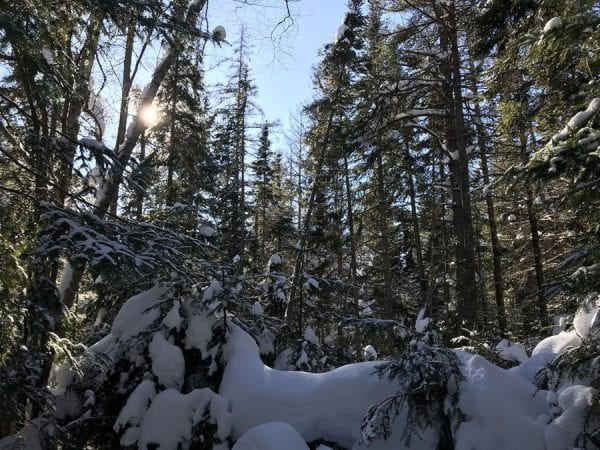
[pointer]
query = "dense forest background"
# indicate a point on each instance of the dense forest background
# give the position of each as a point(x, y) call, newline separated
point(446, 172)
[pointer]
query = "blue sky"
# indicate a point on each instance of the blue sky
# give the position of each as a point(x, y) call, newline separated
point(281, 70)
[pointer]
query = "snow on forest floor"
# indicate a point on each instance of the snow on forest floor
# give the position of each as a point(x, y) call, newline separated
point(258, 407)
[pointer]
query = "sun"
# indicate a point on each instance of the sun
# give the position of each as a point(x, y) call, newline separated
point(149, 115)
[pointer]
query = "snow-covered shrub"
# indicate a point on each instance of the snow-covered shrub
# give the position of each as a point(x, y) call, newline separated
point(307, 355)
point(275, 288)
point(573, 381)
point(427, 397)
point(160, 364)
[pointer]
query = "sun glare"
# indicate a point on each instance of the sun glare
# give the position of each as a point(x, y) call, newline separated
point(149, 115)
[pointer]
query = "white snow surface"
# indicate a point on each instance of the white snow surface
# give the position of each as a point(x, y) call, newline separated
point(512, 351)
point(422, 322)
point(167, 362)
point(275, 259)
point(169, 420)
point(173, 319)
point(206, 231)
point(47, 54)
point(577, 121)
point(564, 429)
point(545, 352)
point(502, 409)
point(310, 336)
point(28, 437)
point(136, 405)
point(257, 309)
point(271, 436)
point(137, 313)
point(339, 34)
point(328, 405)
point(587, 319)
point(552, 24)
point(582, 117)
point(554, 345)
point(369, 353)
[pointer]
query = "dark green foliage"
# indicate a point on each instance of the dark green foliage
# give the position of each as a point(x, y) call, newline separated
point(428, 389)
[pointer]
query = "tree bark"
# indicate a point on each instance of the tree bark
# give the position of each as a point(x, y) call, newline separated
point(384, 240)
point(74, 107)
point(109, 188)
point(482, 142)
point(466, 287)
point(351, 238)
point(415, 224)
point(535, 241)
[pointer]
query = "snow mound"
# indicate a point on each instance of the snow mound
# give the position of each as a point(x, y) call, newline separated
point(502, 410)
point(310, 336)
point(545, 352)
point(275, 260)
point(173, 319)
point(271, 436)
point(326, 406)
point(564, 430)
point(206, 231)
point(28, 437)
point(369, 353)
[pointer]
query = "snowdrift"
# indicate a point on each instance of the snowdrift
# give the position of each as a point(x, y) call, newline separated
point(259, 407)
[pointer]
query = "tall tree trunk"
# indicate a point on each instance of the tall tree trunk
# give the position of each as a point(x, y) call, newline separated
point(482, 142)
point(464, 253)
point(415, 224)
point(139, 207)
point(171, 191)
point(351, 238)
point(109, 188)
point(535, 240)
point(78, 101)
point(384, 240)
point(294, 307)
point(126, 83)
point(240, 146)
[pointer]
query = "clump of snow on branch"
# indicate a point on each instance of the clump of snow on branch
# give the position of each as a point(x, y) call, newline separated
point(369, 353)
point(552, 24)
point(167, 362)
point(422, 322)
point(578, 120)
point(219, 34)
point(340, 32)
point(512, 351)
point(257, 309)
